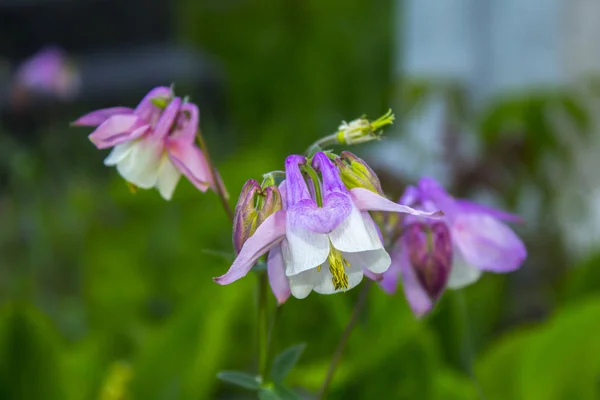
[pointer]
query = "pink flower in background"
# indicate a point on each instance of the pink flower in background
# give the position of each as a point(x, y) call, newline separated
point(48, 72)
point(431, 256)
point(153, 144)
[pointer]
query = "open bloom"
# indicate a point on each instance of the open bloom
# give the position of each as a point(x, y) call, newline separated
point(323, 238)
point(453, 252)
point(152, 146)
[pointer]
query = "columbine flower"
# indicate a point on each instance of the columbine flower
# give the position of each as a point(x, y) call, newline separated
point(324, 236)
point(48, 72)
point(430, 256)
point(153, 144)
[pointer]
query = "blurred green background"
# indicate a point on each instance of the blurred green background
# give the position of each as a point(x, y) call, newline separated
point(108, 295)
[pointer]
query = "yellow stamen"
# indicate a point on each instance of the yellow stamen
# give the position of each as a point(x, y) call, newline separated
point(337, 267)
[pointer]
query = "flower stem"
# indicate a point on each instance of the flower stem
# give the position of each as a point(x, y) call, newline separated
point(326, 141)
point(262, 333)
point(218, 185)
point(467, 350)
point(339, 351)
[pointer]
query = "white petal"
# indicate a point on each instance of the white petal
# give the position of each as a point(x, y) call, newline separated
point(168, 176)
point(377, 261)
point(323, 283)
point(462, 273)
point(302, 284)
point(118, 153)
point(304, 250)
point(356, 233)
point(140, 165)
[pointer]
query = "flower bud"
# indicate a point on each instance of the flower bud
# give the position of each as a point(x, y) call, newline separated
point(356, 173)
point(271, 203)
point(254, 206)
point(245, 217)
point(430, 255)
point(362, 130)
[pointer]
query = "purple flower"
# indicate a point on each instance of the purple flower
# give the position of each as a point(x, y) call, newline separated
point(48, 72)
point(153, 144)
point(431, 256)
point(323, 238)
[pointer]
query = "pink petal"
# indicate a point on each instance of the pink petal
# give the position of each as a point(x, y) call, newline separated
point(276, 269)
point(97, 117)
point(487, 243)
point(470, 207)
point(268, 234)
point(191, 162)
point(366, 200)
point(189, 127)
point(417, 297)
point(146, 109)
point(389, 279)
point(118, 129)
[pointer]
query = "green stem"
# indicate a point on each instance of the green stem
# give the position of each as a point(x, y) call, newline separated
point(262, 339)
point(218, 185)
point(326, 141)
point(467, 349)
point(339, 351)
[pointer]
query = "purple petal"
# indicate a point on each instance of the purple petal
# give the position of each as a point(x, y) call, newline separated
point(467, 206)
point(487, 243)
point(410, 196)
point(97, 117)
point(390, 278)
point(283, 192)
point(191, 162)
point(118, 129)
point(296, 189)
point(417, 297)
point(277, 279)
point(268, 234)
point(336, 208)
point(366, 200)
point(372, 275)
point(331, 176)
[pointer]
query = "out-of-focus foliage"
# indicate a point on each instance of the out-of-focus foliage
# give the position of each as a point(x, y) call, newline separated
point(108, 295)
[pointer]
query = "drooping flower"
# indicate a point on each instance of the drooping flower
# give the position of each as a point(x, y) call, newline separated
point(154, 143)
point(430, 256)
point(323, 238)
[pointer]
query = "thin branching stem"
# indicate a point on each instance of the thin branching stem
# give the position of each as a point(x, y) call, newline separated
point(218, 185)
point(339, 351)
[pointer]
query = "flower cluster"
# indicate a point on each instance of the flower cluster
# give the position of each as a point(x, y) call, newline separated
point(153, 144)
point(327, 223)
point(320, 236)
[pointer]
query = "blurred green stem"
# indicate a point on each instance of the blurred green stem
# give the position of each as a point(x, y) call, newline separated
point(466, 348)
point(326, 141)
point(218, 185)
point(262, 334)
point(339, 351)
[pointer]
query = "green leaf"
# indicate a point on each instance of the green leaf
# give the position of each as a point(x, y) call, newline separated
point(239, 378)
point(278, 392)
point(285, 393)
point(267, 394)
point(285, 361)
